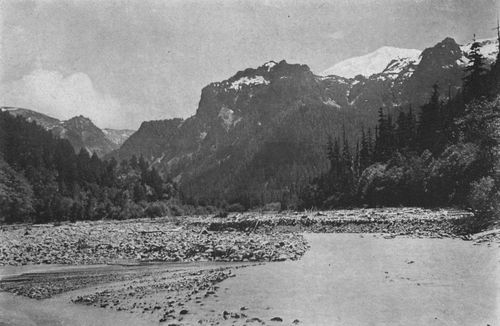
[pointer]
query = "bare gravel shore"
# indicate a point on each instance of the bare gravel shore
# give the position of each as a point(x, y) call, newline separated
point(141, 241)
point(401, 221)
point(238, 237)
point(165, 268)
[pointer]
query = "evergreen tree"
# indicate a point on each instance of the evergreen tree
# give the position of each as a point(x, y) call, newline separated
point(475, 85)
point(384, 138)
point(43, 179)
point(365, 151)
point(429, 125)
point(495, 69)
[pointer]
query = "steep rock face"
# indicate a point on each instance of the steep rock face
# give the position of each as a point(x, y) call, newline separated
point(151, 140)
point(268, 123)
point(80, 131)
point(117, 136)
point(441, 64)
point(259, 136)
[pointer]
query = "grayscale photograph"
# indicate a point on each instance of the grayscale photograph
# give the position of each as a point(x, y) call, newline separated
point(249, 162)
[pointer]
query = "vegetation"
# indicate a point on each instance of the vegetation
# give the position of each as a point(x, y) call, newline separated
point(42, 179)
point(448, 156)
point(447, 153)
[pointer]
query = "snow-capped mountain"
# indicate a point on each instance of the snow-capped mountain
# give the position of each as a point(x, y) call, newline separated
point(374, 62)
point(263, 130)
point(488, 49)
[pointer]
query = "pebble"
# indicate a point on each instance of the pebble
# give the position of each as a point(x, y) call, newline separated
point(115, 241)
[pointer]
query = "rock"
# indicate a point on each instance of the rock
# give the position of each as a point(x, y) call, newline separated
point(255, 319)
point(282, 257)
point(183, 312)
point(279, 319)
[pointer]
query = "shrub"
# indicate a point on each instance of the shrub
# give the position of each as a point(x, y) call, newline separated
point(176, 210)
point(273, 207)
point(156, 209)
point(236, 207)
point(483, 196)
point(451, 174)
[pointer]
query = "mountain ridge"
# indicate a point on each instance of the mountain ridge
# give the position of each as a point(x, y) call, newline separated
point(79, 130)
point(371, 63)
point(259, 135)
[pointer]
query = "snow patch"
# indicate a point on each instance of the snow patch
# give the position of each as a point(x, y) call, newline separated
point(228, 118)
point(396, 66)
point(246, 81)
point(6, 109)
point(488, 49)
point(269, 65)
point(159, 159)
point(372, 63)
point(331, 102)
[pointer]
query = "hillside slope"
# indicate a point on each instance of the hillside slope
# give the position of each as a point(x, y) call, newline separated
point(80, 131)
point(259, 135)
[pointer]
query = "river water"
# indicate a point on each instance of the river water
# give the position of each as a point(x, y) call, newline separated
point(344, 279)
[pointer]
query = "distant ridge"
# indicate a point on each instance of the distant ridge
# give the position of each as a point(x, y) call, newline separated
point(80, 131)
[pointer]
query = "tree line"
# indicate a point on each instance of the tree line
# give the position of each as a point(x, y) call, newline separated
point(445, 155)
point(42, 179)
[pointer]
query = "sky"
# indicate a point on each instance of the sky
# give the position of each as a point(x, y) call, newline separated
point(124, 62)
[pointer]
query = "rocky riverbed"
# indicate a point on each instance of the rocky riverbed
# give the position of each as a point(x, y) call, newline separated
point(439, 277)
point(238, 237)
point(171, 271)
point(396, 221)
point(141, 241)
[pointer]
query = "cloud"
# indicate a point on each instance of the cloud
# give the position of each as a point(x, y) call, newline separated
point(62, 97)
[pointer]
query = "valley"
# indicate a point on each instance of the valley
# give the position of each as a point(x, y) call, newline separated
point(378, 254)
point(245, 163)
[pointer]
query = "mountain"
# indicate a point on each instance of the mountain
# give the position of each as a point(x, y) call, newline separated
point(372, 63)
point(259, 136)
point(117, 136)
point(80, 131)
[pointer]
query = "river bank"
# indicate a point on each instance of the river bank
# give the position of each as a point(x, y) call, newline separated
point(344, 279)
point(239, 237)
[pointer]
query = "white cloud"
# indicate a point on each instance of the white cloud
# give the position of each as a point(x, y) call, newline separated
point(62, 97)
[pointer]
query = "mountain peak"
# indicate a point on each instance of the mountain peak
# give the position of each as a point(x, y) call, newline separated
point(79, 130)
point(80, 122)
point(487, 47)
point(371, 63)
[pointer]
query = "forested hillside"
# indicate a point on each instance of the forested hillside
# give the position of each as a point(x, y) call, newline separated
point(42, 179)
point(80, 131)
point(447, 154)
point(279, 134)
point(259, 136)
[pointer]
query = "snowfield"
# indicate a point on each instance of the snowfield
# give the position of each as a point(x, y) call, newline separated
point(372, 63)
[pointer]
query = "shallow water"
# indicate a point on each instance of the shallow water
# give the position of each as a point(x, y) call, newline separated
point(348, 279)
point(344, 279)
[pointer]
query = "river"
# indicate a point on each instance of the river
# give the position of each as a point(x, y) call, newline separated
point(344, 279)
